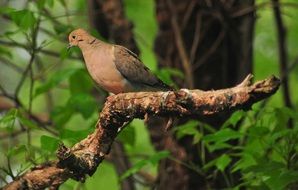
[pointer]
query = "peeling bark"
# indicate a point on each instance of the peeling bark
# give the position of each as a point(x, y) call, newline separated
point(84, 157)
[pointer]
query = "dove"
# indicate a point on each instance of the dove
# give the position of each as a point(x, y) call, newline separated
point(113, 67)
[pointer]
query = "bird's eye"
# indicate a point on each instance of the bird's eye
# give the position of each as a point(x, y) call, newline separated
point(73, 37)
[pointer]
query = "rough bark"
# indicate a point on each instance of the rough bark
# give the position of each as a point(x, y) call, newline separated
point(84, 157)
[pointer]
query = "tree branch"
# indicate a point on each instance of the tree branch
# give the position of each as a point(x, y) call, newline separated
point(84, 157)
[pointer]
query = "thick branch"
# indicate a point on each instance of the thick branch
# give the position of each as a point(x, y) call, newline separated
point(85, 156)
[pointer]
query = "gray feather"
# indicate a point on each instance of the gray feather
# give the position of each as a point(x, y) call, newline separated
point(131, 67)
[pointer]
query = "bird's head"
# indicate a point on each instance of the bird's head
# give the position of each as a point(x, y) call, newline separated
point(79, 37)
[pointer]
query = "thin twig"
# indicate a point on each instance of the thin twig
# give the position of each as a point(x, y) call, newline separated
point(181, 47)
point(211, 50)
point(33, 55)
point(248, 10)
point(11, 64)
point(44, 51)
point(188, 13)
point(11, 134)
point(196, 40)
point(3, 90)
point(10, 172)
point(3, 179)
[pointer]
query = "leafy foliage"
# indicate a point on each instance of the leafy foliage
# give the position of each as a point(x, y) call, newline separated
point(54, 101)
point(154, 159)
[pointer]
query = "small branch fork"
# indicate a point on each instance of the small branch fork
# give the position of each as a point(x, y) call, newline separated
point(84, 157)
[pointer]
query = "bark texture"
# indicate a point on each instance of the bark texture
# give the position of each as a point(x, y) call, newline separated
point(84, 157)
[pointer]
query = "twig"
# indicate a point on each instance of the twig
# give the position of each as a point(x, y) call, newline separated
point(35, 118)
point(196, 40)
point(188, 13)
point(121, 163)
point(9, 170)
point(210, 51)
point(11, 64)
point(44, 51)
point(248, 10)
point(181, 47)
point(3, 90)
point(32, 52)
point(11, 134)
point(3, 179)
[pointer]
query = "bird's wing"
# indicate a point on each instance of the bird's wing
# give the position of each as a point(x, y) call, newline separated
point(131, 67)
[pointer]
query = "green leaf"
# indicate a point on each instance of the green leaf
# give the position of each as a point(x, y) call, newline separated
point(6, 52)
point(217, 140)
point(63, 3)
point(127, 135)
point(258, 132)
point(23, 18)
point(211, 163)
point(49, 143)
point(279, 180)
point(189, 128)
point(40, 4)
point(6, 10)
point(30, 153)
point(64, 53)
point(281, 116)
point(222, 135)
point(154, 159)
point(27, 122)
point(82, 103)
point(54, 80)
point(197, 137)
point(217, 146)
point(265, 166)
point(10, 115)
point(134, 169)
point(50, 3)
point(80, 82)
point(9, 118)
point(234, 119)
point(166, 74)
point(61, 115)
point(16, 150)
point(246, 160)
point(61, 29)
point(76, 136)
point(222, 162)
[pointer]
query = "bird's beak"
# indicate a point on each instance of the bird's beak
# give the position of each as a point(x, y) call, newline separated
point(69, 46)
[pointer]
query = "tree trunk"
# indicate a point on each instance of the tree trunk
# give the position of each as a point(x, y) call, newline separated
point(217, 39)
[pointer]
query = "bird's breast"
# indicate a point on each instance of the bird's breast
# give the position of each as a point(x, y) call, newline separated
point(101, 67)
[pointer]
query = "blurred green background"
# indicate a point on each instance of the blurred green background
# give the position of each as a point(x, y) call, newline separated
point(61, 91)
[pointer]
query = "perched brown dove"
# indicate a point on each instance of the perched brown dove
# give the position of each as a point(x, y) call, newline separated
point(113, 67)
